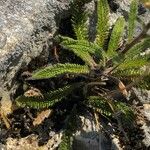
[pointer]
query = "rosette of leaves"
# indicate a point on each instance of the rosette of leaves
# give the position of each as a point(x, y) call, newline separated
point(117, 63)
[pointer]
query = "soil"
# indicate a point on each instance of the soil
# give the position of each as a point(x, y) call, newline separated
point(22, 126)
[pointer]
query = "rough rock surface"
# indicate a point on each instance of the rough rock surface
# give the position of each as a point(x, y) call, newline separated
point(26, 143)
point(143, 96)
point(146, 126)
point(24, 28)
point(91, 137)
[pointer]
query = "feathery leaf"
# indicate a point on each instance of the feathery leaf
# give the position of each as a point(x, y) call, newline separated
point(35, 102)
point(145, 83)
point(132, 19)
point(101, 104)
point(102, 22)
point(139, 76)
point(83, 54)
point(87, 46)
point(137, 49)
point(48, 100)
point(104, 107)
point(128, 73)
point(115, 37)
point(134, 63)
point(70, 128)
point(79, 18)
point(58, 69)
point(127, 115)
point(66, 143)
point(82, 46)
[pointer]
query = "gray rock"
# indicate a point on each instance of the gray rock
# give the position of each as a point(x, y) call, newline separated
point(97, 142)
point(146, 130)
point(91, 137)
point(142, 95)
point(25, 27)
point(146, 126)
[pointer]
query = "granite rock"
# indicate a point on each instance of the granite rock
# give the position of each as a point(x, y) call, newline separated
point(90, 135)
point(25, 27)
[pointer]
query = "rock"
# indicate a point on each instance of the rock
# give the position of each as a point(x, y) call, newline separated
point(53, 142)
point(146, 125)
point(146, 130)
point(25, 27)
point(142, 95)
point(27, 143)
point(92, 142)
point(91, 137)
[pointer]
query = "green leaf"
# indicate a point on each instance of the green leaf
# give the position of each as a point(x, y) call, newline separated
point(48, 100)
point(60, 92)
point(135, 63)
point(66, 143)
point(35, 102)
point(87, 46)
point(137, 49)
point(128, 73)
point(145, 83)
point(102, 22)
point(101, 104)
point(83, 49)
point(58, 69)
point(71, 125)
point(79, 18)
point(83, 54)
point(132, 19)
point(127, 116)
point(116, 35)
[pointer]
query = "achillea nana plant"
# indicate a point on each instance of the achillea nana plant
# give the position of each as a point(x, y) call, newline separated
point(109, 66)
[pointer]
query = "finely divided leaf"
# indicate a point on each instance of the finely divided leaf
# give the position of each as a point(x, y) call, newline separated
point(127, 116)
point(137, 49)
point(132, 19)
point(48, 100)
point(116, 35)
point(130, 73)
point(87, 46)
point(83, 49)
point(102, 22)
point(66, 143)
point(58, 69)
point(79, 18)
point(137, 63)
point(83, 54)
point(101, 104)
point(35, 102)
